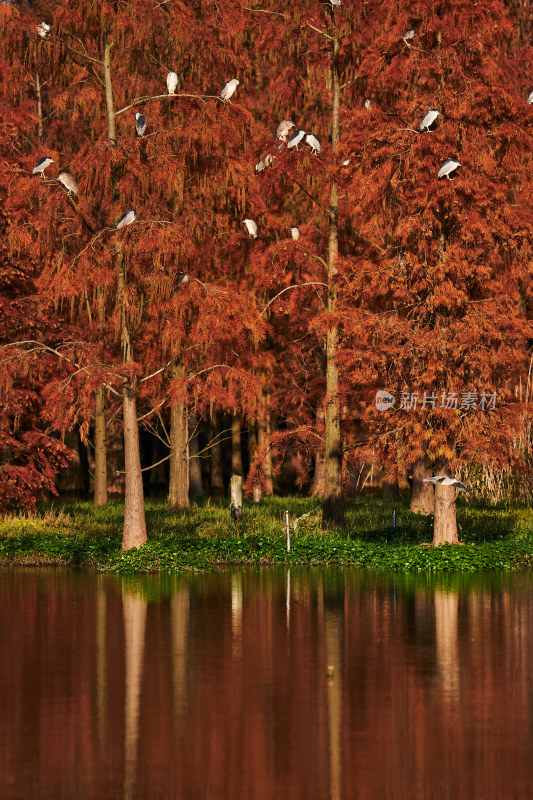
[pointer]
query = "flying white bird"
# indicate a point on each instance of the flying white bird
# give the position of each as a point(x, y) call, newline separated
point(251, 227)
point(428, 119)
point(530, 98)
point(283, 129)
point(449, 166)
point(228, 89)
point(140, 124)
point(264, 162)
point(409, 35)
point(68, 182)
point(295, 232)
point(43, 29)
point(295, 139)
point(172, 82)
point(313, 142)
point(126, 219)
point(41, 165)
point(445, 480)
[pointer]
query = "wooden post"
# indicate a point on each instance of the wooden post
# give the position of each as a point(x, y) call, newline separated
point(236, 497)
point(288, 531)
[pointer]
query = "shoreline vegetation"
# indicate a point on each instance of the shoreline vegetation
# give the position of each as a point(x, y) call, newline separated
point(204, 538)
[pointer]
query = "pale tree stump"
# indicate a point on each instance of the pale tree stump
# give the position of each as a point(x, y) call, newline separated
point(236, 497)
point(445, 521)
point(422, 497)
point(256, 493)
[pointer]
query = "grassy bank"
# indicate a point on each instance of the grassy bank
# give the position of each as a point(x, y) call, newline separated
point(204, 538)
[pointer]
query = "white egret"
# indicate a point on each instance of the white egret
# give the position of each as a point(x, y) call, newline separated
point(251, 227)
point(449, 166)
point(43, 28)
point(126, 219)
point(428, 119)
point(295, 232)
point(530, 98)
point(172, 82)
point(228, 89)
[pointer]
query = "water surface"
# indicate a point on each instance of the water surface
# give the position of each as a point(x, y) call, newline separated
point(266, 684)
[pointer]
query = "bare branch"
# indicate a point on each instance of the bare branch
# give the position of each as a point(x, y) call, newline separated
point(296, 286)
point(141, 101)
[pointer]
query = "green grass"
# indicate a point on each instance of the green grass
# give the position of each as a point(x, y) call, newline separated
point(77, 534)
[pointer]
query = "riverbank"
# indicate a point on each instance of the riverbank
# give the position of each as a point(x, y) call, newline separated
point(76, 534)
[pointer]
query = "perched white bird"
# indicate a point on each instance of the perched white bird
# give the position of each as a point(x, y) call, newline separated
point(172, 82)
point(126, 219)
point(346, 162)
point(530, 98)
point(140, 124)
point(409, 35)
point(43, 29)
point(445, 480)
point(295, 139)
point(335, 2)
point(251, 227)
point(295, 232)
point(41, 165)
point(264, 162)
point(182, 278)
point(283, 129)
point(68, 182)
point(313, 142)
point(449, 165)
point(228, 89)
point(369, 104)
point(428, 119)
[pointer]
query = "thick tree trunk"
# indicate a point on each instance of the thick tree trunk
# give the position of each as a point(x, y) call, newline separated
point(178, 490)
point(236, 454)
point(317, 484)
point(333, 504)
point(445, 522)
point(422, 494)
point(217, 477)
point(196, 486)
point(263, 436)
point(134, 534)
point(100, 450)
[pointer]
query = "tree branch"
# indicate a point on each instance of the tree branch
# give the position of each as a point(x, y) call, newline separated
point(296, 286)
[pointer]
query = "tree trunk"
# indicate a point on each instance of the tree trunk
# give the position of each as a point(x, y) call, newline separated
point(317, 484)
point(422, 494)
point(217, 478)
point(333, 504)
point(178, 490)
point(236, 497)
point(263, 436)
point(134, 534)
point(236, 454)
point(445, 522)
point(100, 450)
point(196, 486)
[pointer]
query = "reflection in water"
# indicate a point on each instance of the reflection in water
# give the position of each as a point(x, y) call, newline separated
point(179, 620)
point(217, 686)
point(134, 608)
point(446, 608)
